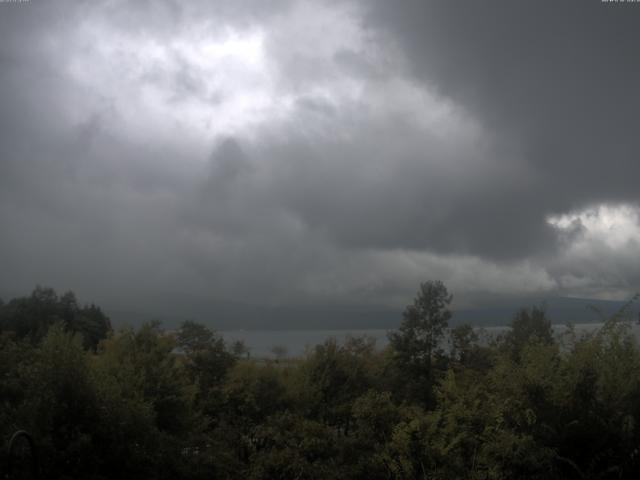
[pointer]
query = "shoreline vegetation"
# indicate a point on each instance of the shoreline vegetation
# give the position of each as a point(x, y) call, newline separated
point(434, 402)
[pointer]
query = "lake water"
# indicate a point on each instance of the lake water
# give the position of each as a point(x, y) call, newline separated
point(261, 342)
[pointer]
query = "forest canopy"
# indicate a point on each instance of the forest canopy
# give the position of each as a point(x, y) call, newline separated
point(436, 403)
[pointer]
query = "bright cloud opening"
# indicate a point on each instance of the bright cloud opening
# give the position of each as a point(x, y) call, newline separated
point(615, 226)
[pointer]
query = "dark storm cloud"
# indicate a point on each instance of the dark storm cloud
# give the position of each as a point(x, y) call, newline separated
point(393, 186)
point(559, 78)
point(313, 151)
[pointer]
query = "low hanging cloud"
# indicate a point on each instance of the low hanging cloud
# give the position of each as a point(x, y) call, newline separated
point(317, 152)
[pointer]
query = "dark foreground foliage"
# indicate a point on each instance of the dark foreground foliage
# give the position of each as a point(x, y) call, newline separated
point(153, 404)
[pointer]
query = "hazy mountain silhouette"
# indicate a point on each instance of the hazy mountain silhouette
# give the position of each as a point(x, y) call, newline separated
point(232, 316)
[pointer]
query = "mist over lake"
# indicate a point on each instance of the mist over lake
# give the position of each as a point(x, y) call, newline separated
point(261, 343)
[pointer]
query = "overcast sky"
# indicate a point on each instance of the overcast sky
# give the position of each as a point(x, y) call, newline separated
point(319, 152)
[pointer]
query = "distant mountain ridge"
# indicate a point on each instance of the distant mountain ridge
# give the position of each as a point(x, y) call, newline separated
point(233, 316)
point(560, 310)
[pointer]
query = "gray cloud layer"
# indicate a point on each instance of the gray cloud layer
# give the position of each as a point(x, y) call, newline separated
point(336, 152)
point(559, 79)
